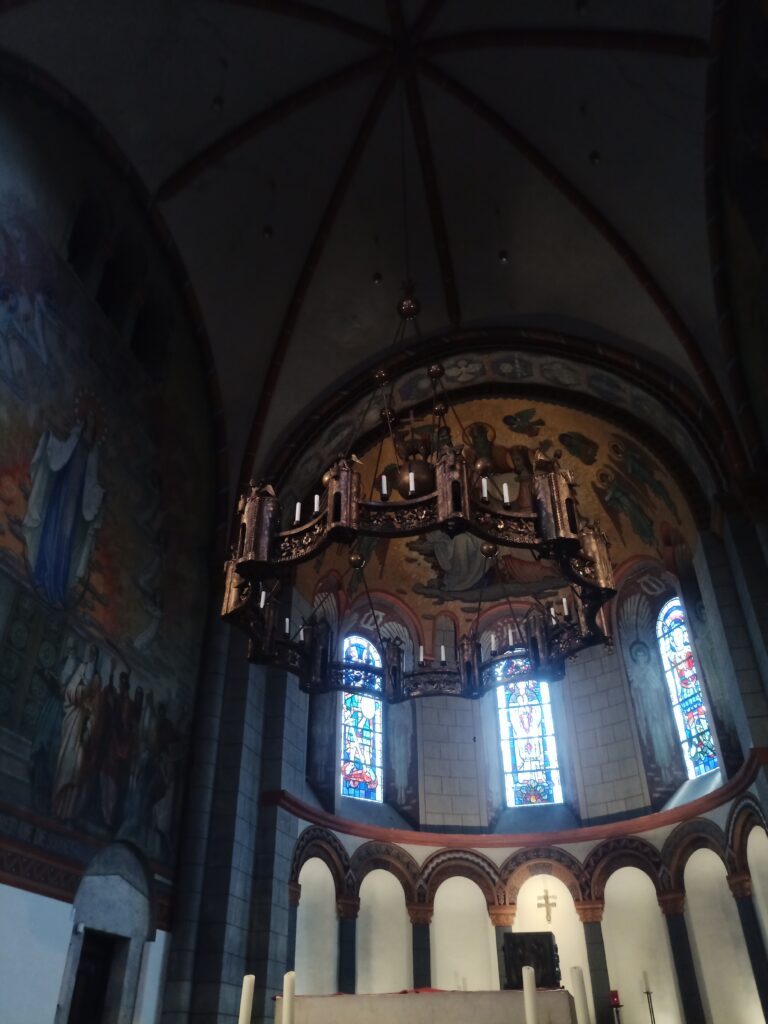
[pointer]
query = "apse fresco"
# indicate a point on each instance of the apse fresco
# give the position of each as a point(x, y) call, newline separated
point(102, 540)
point(619, 483)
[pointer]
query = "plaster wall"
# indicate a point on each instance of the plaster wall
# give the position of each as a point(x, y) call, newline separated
point(34, 937)
point(463, 943)
point(384, 936)
point(152, 979)
point(727, 987)
point(630, 896)
point(316, 932)
point(757, 856)
point(565, 924)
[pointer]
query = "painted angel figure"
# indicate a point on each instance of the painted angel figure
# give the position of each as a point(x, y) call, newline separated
point(64, 511)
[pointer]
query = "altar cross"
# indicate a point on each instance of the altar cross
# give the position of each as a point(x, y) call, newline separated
point(548, 902)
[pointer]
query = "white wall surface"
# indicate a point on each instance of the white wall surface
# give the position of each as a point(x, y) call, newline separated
point(722, 963)
point(637, 941)
point(565, 923)
point(34, 939)
point(152, 979)
point(462, 939)
point(757, 858)
point(384, 936)
point(317, 932)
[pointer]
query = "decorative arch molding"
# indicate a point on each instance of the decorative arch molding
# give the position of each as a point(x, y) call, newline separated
point(446, 864)
point(629, 852)
point(386, 857)
point(686, 839)
point(743, 817)
point(319, 842)
point(545, 860)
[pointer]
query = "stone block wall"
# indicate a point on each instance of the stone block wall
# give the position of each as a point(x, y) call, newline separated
point(451, 762)
point(606, 762)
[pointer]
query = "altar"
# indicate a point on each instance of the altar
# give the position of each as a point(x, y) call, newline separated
point(554, 1006)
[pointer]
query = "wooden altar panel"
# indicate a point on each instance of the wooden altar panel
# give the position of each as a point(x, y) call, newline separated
point(554, 1007)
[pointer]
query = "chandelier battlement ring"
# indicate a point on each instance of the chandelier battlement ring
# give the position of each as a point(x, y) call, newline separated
point(439, 488)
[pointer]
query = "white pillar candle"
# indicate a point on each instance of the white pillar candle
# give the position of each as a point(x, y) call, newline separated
point(579, 993)
point(301, 635)
point(246, 999)
point(442, 652)
point(289, 991)
point(485, 488)
point(505, 492)
point(297, 517)
point(565, 607)
point(529, 995)
point(287, 625)
point(317, 504)
point(263, 599)
point(510, 638)
point(411, 483)
point(421, 655)
point(384, 484)
point(553, 614)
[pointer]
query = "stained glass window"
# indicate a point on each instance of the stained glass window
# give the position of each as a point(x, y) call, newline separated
point(685, 690)
point(528, 747)
point(361, 725)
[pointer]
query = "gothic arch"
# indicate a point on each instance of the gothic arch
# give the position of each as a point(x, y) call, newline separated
point(386, 857)
point(319, 842)
point(549, 860)
point(744, 816)
point(465, 864)
point(609, 856)
point(698, 834)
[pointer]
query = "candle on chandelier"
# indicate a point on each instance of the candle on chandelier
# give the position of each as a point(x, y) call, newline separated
point(287, 626)
point(317, 504)
point(553, 614)
point(510, 638)
point(421, 655)
point(384, 490)
point(442, 654)
point(485, 488)
point(263, 599)
point(411, 483)
point(301, 635)
point(505, 492)
point(297, 517)
point(566, 613)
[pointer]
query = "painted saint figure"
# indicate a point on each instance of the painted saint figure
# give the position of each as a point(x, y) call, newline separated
point(69, 764)
point(64, 510)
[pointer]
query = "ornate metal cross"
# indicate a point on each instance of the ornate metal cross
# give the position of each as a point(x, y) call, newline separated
point(548, 902)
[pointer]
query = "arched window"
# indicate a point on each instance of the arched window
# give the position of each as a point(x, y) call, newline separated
point(361, 723)
point(685, 690)
point(528, 748)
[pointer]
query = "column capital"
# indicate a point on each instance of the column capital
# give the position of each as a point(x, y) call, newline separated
point(589, 910)
point(740, 884)
point(294, 894)
point(672, 902)
point(420, 913)
point(347, 908)
point(503, 917)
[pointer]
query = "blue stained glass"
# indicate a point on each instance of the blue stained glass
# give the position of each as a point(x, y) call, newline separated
point(528, 747)
point(685, 690)
point(361, 726)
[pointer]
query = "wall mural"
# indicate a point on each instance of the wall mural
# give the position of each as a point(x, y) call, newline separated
point(498, 368)
point(101, 559)
point(619, 483)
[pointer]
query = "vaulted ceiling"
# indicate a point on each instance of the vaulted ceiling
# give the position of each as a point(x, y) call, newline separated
point(287, 144)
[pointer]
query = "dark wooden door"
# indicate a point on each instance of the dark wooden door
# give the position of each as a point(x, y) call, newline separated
point(92, 977)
